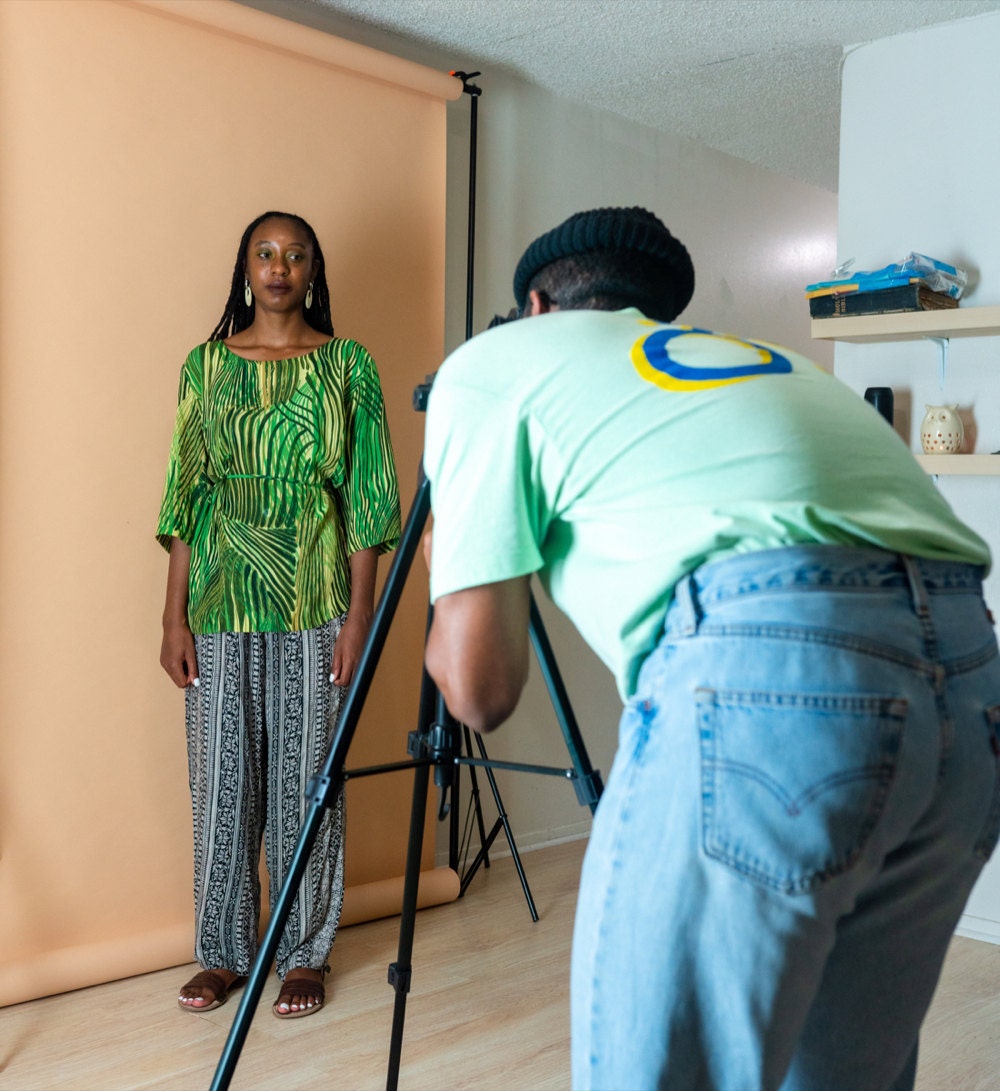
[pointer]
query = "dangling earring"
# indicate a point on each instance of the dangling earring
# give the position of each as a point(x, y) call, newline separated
point(247, 294)
point(309, 296)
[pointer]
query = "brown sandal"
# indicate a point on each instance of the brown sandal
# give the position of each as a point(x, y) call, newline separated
point(300, 986)
point(213, 983)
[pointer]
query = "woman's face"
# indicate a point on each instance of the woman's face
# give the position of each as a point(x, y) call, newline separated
point(280, 265)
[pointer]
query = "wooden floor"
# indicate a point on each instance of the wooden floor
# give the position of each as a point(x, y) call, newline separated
point(488, 1009)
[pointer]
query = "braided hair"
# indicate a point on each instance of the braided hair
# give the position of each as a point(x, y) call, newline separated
point(237, 315)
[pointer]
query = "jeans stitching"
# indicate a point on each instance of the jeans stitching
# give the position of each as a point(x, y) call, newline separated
point(837, 639)
point(645, 711)
point(890, 714)
point(990, 834)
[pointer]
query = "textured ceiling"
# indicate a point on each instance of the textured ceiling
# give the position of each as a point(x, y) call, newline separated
point(759, 79)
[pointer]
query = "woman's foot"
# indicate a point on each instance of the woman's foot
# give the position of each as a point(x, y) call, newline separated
point(208, 989)
point(301, 993)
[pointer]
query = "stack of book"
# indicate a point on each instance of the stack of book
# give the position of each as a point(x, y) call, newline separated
point(910, 295)
point(917, 283)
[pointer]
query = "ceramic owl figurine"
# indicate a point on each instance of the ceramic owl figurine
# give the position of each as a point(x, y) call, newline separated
point(941, 430)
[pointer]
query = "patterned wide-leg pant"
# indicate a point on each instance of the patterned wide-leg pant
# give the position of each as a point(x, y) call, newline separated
point(258, 727)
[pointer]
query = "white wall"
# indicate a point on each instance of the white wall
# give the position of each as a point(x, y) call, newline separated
point(756, 240)
point(919, 162)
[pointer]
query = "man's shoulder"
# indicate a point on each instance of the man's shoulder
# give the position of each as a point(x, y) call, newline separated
point(522, 361)
point(535, 334)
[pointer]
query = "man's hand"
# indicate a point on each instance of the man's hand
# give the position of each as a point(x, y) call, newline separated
point(477, 650)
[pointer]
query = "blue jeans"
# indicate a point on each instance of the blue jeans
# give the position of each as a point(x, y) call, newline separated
point(805, 790)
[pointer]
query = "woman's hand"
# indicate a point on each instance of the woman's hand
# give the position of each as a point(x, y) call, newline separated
point(348, 648)
point(351, 642)
point(177, 654)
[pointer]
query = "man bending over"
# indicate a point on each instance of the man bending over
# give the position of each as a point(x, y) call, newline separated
point(806, 781)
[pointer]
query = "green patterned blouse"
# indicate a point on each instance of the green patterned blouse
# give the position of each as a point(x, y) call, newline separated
point(279, 470)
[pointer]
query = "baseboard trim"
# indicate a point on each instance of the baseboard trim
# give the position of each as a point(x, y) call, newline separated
point(978, 928)
point(529, 842)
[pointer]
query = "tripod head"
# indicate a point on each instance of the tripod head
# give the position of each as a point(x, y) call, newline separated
point(421, 393)
point(440, 744)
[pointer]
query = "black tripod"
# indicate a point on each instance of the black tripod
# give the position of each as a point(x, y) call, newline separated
point(437, 742)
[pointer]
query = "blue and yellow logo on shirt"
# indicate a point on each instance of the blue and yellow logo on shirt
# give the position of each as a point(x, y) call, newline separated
point(709, 359)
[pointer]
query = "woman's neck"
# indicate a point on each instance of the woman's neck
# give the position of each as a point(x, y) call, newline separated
point(274, 334)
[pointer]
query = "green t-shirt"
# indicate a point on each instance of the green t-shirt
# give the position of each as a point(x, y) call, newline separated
point(612, 455)
point(278, 471)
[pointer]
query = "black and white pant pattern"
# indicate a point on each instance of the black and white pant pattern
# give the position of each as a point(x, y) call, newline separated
point(258, 727)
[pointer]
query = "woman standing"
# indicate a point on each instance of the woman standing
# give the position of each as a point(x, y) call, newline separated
point(280, 494)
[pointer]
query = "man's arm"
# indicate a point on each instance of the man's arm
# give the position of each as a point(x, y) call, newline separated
point(477, 650)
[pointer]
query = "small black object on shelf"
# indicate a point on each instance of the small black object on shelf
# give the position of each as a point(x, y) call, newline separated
point(881, 397)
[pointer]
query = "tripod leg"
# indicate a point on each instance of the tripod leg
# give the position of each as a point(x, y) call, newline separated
point(400, 971)
point(435, 741)
point(454, 830)
point(265, 956)
point(504, 823)
point(474, 801)
point(588, 782)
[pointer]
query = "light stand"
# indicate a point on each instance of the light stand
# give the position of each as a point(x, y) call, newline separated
point(456, 850)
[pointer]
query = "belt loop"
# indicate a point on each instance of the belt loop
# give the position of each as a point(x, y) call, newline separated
point(918, 590)
point(689, 613)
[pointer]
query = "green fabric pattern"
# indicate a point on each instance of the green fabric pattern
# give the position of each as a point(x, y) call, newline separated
point(279, 470)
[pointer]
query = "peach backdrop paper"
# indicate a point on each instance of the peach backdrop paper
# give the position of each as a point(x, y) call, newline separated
point(138, 141)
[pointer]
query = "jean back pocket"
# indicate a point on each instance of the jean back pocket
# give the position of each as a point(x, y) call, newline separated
point(792, 785)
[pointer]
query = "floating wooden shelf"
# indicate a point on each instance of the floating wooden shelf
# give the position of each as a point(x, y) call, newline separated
point(913, 326)
point(910, 325)
point(960, 464)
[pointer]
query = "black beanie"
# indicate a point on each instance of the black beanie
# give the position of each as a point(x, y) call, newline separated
point(616, 230)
